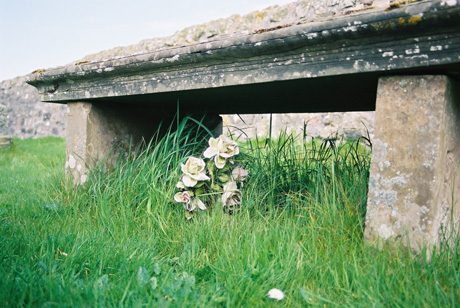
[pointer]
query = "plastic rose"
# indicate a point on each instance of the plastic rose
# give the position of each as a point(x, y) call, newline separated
point(190, 203)
point(276, 294)
point(180, 185)
point(184, 197)
point(198, 203)
point(239, 174)
point(193, 170)
point(221, 149)
point(231, 195)
point(202, 184)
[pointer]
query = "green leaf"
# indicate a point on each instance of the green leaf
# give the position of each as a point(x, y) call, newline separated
point(305, 294)
point(188, 215)
point(216, 188)
point(223, 178)
point(220, 299)
point(226, 167)
point(200, 191)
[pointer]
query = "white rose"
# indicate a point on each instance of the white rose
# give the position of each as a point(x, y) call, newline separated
point(183, 196)
point(193, 170)
point(231, 195)
point(239, 174)
point(221, 149)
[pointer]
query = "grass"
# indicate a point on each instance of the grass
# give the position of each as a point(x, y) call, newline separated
point(121, 241)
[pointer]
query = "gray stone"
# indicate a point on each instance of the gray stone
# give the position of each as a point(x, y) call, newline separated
point(22, 115)
point(104, 133)
point(5, 141)
point(248, 73)
point(414, 188)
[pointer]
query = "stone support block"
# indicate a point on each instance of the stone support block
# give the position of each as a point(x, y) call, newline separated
point(414, 186)
point(100, 132)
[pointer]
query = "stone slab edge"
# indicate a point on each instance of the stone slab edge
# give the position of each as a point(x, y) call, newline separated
point(165, 70)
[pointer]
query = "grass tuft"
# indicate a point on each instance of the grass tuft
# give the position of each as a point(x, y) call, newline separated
point(121, 240)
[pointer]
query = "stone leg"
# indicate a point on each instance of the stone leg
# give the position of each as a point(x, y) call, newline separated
point(414, 185)
point(102, 131)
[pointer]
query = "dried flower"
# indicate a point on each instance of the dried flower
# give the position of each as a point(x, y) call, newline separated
point(193, 171)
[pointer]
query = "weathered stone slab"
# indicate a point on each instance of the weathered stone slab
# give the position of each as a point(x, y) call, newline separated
point(414, 187)
point(259, 72)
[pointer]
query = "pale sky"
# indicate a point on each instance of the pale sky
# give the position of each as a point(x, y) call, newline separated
point(46, 33)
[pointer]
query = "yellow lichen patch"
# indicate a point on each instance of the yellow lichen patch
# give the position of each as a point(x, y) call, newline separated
point(81, 62)
point(401, 21)
point(398, 4)
point(260, 15)
point(39, 71)
point(414, 20)
point(386, 25)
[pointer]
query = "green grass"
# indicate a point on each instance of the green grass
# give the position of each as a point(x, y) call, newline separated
point(121, 241)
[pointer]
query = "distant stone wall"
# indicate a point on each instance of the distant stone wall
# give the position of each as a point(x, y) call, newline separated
point(27, 117)
point(349, 125)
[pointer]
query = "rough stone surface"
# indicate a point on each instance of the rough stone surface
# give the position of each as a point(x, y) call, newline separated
point(27, 117)
point(271, 17)
point(349, 125)
point(414, 187)
point(101, 133)
point(304, 61)
point(23, 115)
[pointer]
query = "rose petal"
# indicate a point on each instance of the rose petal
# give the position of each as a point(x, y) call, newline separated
point(183, 168)
point(183, 196)
point(219, 161)
point(188, 181)
point(200, 204)
point(210, 152)
point(178, 197)
point(203, 177)
point(230, 187)
point(190, 206)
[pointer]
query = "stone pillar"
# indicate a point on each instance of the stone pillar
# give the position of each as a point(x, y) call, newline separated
point(102, 131)
point(414, 185)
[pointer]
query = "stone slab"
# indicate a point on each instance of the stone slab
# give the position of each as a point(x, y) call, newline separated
point(421, 37)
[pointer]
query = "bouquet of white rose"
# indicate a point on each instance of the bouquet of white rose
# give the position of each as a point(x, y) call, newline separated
point(201, 182)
